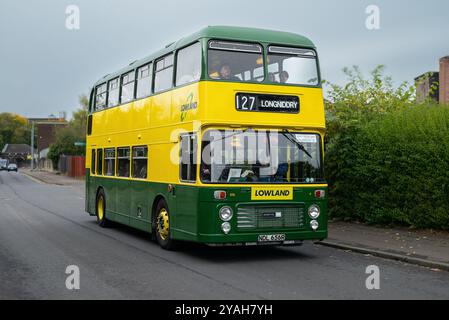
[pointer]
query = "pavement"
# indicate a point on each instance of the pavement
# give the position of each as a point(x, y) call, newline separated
point(44, 229)
point(51, 177)
point(423, 247)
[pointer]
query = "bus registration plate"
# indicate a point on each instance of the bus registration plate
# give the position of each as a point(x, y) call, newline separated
point(271, 237)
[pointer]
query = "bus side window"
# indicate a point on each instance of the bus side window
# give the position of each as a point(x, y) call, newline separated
point(188, 65)
point(109, 162)
point(188, 157)
point(163, 73)
point(140, 162)
point(144, 76)
point(123, 162)
point(127, 87)
point(100, 97)
point(92, 165)
point(89, 125)
point(100, 161)
point(113, 93)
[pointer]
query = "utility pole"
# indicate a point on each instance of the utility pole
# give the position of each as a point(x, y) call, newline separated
point(32, 145)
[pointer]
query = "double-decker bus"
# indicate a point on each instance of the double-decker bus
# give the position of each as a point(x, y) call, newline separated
point(217, 139)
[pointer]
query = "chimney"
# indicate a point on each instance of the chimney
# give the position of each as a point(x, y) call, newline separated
point(62, 115)
point(444, 80)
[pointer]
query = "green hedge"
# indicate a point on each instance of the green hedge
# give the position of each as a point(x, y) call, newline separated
point(393, 169)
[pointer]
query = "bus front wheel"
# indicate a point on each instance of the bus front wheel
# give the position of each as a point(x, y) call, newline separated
point(101, 209)
point(163, 226)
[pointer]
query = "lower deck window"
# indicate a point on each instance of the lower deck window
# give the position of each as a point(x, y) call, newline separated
point(140, 162)
point(92, 165)
point(123, 159)
point(109, 162)
point(100, 161)
point(188, 157)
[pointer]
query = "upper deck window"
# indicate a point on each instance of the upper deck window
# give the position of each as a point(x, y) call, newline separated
point(127, 87)
point(100, 97)
point(188, 66)
point(292, 66)
point(164, 73)
point(235, 61)
point(144, 75)
point(113, 93)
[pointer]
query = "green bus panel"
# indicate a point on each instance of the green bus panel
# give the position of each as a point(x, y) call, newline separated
point(194, 211)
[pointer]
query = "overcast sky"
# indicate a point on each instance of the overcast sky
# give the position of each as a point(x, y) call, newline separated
point(44, 66)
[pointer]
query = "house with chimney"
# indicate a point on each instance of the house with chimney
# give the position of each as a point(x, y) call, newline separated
point(434, 85)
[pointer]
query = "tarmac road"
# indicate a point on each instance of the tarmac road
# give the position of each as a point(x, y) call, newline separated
point(44, 229)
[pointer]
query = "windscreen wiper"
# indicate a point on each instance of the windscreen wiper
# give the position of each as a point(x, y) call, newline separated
point(234, 134)
point(292, 139)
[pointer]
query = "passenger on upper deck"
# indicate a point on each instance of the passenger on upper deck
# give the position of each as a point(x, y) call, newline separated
point(283, 76)
point(226, 73)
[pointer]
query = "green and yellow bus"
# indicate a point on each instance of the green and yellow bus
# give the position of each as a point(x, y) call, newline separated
point(217, 139)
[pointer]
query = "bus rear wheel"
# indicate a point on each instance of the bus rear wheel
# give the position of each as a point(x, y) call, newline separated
point(162, 229)
point(101, 210)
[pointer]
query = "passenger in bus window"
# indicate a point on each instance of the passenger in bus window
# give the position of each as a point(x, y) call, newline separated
point(283, 76)
point(271, 77)
point(143, 173)
point(226, 73)
point(205, 173)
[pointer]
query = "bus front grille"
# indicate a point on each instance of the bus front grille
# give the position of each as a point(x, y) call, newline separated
point(264, 217)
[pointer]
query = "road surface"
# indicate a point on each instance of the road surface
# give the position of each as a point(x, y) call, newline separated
point(44, 229)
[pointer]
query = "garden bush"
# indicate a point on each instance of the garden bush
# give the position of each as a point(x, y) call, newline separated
point(400, 171)
point(387, 158)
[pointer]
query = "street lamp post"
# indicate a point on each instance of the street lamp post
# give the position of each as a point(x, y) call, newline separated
point(32, 145)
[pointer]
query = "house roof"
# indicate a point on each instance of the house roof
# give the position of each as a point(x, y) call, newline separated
point(16, 148)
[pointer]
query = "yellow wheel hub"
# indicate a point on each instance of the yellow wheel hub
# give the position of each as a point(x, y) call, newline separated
point(100, 208)
point(162, 224)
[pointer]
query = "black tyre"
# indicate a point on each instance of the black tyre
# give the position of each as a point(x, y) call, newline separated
point(100, 207)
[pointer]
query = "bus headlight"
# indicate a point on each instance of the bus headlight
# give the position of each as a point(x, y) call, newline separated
point(225, 213)
point(314, 225)
point(226, 227)
point(314, 211)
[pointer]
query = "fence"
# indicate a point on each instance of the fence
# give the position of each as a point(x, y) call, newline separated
point(46, 165)
point(73, 166)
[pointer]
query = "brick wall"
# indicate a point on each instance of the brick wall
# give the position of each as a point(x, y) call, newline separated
point(45, 135)
point(444, 80)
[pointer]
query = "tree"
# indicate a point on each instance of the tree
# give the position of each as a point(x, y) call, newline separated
point(64, 145)
point(79, 118)
point(67, 136)
point(349, 108)
point(360, 100)
point(13, 129)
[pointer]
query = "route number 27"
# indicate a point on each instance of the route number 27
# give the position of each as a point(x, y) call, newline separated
point(246, 102)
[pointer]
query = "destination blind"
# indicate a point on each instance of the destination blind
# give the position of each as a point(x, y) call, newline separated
point(267, 103)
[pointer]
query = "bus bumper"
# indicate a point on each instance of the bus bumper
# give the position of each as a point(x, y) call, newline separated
point(252, 239)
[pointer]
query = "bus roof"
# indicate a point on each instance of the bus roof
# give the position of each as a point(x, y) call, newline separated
point(220, 32)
